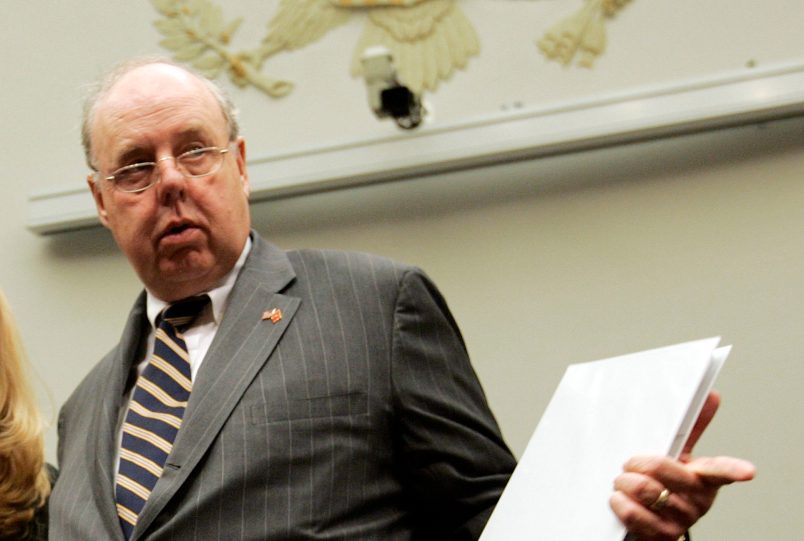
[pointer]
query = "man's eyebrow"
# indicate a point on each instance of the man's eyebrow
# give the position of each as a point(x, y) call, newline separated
point(134, 154)
point(194, 133)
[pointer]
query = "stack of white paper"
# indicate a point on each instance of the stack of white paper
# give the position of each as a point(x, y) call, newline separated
point(601, 414)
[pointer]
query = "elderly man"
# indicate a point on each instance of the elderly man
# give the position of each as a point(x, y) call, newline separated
point(263, 394)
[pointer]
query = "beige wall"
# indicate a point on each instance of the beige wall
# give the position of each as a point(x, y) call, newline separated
point(564, 260)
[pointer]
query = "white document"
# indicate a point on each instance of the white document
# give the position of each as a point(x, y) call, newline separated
point(601, 414)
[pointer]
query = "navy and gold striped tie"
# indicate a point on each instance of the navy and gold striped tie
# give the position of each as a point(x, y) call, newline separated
point(155, 411)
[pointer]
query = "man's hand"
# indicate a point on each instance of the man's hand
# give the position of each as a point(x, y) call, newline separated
point(658, 498)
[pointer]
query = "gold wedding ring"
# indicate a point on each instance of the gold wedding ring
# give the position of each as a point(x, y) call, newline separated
point(661, 501)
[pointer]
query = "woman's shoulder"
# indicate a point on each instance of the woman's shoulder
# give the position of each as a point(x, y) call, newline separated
point(38, 527)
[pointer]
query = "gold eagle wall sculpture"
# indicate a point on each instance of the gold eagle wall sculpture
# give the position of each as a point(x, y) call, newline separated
point(428, 39)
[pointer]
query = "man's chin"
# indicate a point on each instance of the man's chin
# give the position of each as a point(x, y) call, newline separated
point(183, 276)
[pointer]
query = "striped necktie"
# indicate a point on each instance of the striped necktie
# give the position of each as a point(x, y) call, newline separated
point(155, 411)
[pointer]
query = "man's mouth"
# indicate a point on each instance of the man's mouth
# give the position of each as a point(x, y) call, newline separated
point(176, 229)
point(178, 232)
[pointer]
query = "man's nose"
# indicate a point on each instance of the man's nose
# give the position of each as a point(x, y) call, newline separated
point(171, 180)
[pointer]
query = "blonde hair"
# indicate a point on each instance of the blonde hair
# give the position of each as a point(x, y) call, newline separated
point(24, 482)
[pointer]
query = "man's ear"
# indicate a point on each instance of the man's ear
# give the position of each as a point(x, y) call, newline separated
point(241, 165)
point(100, 206)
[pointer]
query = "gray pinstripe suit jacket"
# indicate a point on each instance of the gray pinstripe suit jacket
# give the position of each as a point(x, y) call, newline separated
point(357, 416)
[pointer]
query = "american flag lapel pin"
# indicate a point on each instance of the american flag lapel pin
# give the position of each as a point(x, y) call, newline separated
point(274, 314)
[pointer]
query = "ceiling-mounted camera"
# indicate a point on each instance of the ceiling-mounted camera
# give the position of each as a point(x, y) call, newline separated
point(386, 96)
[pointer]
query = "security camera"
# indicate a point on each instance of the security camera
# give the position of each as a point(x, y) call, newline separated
point(386, 96)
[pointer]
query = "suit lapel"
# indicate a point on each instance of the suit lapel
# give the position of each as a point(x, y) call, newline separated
point(103, 434)
point(244, 341)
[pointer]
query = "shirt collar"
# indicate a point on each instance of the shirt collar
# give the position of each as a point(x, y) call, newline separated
point(218, 296)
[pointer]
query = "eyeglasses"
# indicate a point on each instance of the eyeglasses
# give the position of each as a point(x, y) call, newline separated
point(138, 177)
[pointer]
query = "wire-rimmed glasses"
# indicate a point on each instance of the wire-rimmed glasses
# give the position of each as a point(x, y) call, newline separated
point(138, 177)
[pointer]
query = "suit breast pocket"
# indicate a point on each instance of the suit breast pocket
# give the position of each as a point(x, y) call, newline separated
point(314, 407)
